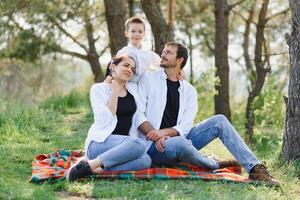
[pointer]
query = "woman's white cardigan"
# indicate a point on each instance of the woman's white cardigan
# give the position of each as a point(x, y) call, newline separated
point(104, 121)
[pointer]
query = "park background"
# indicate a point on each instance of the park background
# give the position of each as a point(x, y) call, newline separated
point(51, 52)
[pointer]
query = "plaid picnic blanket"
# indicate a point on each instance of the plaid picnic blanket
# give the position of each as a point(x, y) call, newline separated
point(48, 167)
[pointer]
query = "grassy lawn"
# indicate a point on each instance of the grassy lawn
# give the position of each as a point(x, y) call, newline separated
point(62, 122)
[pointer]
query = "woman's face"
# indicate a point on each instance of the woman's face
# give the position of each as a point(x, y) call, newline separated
point(124, 70)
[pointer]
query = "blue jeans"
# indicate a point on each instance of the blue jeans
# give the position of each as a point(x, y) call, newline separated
point(187, 149)
point(119, 153)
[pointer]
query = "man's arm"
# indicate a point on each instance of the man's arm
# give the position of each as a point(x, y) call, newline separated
point(149, 131)
point(170, 132)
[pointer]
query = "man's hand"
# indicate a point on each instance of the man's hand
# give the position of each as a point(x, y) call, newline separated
point(168, 132)
point(160, 144)
point(153, 135)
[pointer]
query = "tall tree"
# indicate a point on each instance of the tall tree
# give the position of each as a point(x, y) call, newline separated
point(291, 139)
point(222, 11)
point(131, 8)
point(115, 13)
point(161, 30)
point(258, 77)
point(48, 24)
point(257, 74)
point(222, 105)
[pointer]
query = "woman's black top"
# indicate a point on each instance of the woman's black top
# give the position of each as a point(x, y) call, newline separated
point(125, 110)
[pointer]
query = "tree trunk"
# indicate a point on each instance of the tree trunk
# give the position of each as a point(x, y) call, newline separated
point(261, 71)
point(191, 56)
point(92, 55)
point(291, 139)
point(221, 99)
point(160, 29)
point(115, 13)
point(131, 8)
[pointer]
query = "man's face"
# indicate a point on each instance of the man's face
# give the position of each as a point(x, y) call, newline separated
point(168, 57)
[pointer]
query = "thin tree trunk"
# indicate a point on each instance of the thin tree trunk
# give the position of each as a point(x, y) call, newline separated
point(261, 71)
point(222, 105)
point(160, 29)
point(115, 13)
point(191, 56)
point(93, 57)
point(131, 8)
point(291, 139)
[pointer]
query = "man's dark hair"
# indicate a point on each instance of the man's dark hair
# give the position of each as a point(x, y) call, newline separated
point(182, 51)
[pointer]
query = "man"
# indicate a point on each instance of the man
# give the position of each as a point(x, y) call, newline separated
point(170, 106)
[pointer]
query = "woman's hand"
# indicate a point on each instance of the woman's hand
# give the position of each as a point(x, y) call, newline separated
point(116, 87)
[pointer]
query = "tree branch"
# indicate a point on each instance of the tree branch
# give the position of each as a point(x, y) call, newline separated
point(72, 53)
point(69, 35)
point(103, 50)
point(278, 14)
point(240, 15)
point(231, 6)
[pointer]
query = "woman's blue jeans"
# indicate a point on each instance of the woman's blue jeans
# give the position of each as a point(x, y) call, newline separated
point(119, 153)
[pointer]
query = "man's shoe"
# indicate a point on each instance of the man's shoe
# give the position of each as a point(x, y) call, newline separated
point(77, 171)
point(260, 173)
point(229, 163)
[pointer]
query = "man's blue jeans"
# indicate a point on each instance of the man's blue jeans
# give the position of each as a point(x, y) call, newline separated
point(187, 149)
point(120, 153)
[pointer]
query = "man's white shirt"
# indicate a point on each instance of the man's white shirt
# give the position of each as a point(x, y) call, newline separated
point(152, 89)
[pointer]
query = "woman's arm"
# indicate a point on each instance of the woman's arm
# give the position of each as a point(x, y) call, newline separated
point(112, 103)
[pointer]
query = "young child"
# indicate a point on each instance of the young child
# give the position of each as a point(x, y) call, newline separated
point(145, 59)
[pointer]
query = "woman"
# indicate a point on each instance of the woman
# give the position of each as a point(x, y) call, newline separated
point(111, 144)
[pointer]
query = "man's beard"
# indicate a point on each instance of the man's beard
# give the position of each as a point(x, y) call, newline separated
point(163, 66)
point(166, 66)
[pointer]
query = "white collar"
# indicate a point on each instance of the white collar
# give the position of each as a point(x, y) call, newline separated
point(164, 75)
point(130, 45)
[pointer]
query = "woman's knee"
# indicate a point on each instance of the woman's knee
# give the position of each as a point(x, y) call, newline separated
point(146, 161)
point(137, 144)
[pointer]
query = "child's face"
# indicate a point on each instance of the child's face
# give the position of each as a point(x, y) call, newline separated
point(135, 34)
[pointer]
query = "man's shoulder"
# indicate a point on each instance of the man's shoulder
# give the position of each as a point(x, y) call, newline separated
point(189, 86)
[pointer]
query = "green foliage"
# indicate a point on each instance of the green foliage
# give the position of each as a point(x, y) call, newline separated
point(269, 117)
point(206, 91)
point(27, 46)
point(27, 131)
point(296, 163)
point(65, 104)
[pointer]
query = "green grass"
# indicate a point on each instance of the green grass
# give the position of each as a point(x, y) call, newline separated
point(62, 122)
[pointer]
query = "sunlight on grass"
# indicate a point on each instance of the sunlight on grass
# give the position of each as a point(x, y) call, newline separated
point(25, 132)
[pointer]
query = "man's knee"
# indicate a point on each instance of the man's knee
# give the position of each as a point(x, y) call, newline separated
point(220, 120)
point(178, 143)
